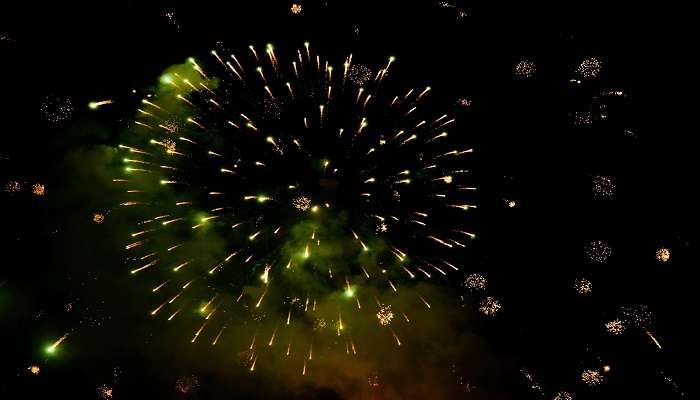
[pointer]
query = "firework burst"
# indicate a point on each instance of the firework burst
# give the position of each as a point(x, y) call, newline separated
point(245, 206)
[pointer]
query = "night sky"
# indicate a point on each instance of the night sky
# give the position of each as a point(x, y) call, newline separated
point(579, 118)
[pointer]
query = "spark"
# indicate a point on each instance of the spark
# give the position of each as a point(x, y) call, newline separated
point(51, 349)
point(490, 306)
point(663, 254)
point(94, 105)
point(173, 314)
point(150, 264)
point(653, 339)
point(398, 341)
point(272, 338)
point(591, 377)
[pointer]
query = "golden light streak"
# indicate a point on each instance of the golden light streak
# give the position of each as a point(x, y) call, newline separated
point(94, 105)
point(257, 305)
point(157, 288)
point(196, 335)
point(155, 311)
point(365, 272)
point(471, 235)
point(190, 120)
point(266, 275)
point(253, 236)
point(165, 223)
point(174, 314)
point(272, 338)
point(442, 242)
point(55, 344)
point(398, 342)
point(171, 301)
point(132, 245)
point(150, 264)
point(204, 309)
point(392, 286)
point(176, 269)
point(171, 248)
point(252, 366)
point(653, 339)
point(450, 265)
point(408, 272)
point(464, 207)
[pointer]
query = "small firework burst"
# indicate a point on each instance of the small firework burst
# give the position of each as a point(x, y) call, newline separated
point(169, 16)
point(636, 315)
point(615, 327)
point(511, 203)
point(525, 69)
point(272, 110)
point(630, 134)
point(603, 187)
point(296, 303)
point(562, 396)
point(591, 377)
point(475, 282)
point(598, 251)
point(385, 315)
point(301, 203)
point(583, 286)
point(582, 118)
point(373, 380)
point(359, 74)
point(381, 227)
point(34, 369)
point(464, 102)
point(170, 145)
point(257, 315)
point(320, 324)
point(171, 126)
point(98, 218)
point(295, 9)
point(187, 384)
point(38, 189)
point(613, 93)
point(490, 306)
point(56, 109)
point(13, 187)
point(6, 38)
point(663, 254)
point(105, 392)
point(589, 68)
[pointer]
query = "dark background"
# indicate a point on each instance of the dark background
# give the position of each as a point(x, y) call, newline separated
point(528, 150)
